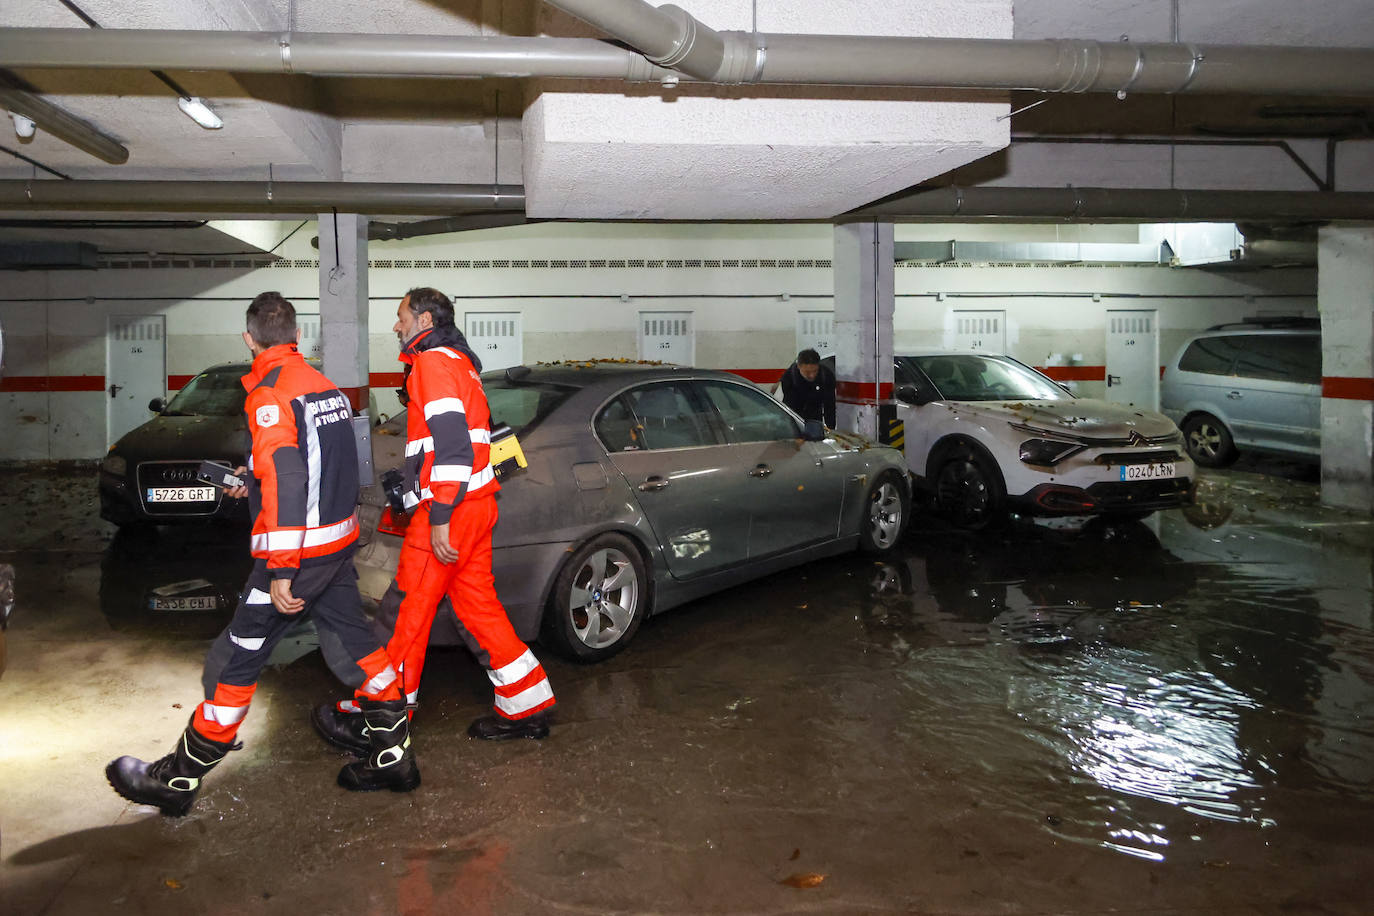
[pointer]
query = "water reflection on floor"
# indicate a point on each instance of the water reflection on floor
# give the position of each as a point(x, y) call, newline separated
point(1158, 672)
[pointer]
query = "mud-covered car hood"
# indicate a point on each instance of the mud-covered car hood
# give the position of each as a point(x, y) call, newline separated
point(1085, 417)
point(171, 437)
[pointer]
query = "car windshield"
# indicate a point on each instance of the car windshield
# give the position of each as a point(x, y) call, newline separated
point(521, 405)
point(215, 392)
point(966, 377)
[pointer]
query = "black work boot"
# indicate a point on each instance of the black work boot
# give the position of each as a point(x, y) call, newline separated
point(173, 782)
point(345, 730)
point(498, 728)
point(390, 762)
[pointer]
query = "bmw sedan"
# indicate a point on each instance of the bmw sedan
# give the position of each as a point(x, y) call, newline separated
point(985, 435)
point(149, 475)
point(648, 486)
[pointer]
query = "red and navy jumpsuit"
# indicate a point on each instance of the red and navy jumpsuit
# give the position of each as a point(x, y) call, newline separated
point(449, 479)
point(302, 493)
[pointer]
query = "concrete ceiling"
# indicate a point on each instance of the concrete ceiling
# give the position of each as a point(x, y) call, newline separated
point(617, 151)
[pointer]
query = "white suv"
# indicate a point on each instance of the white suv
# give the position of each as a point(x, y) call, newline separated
point(986, 435)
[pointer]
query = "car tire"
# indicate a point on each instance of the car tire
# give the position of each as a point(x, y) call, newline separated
point(887, 508)
point(599, 600)
point(969, 492)
point(1208, 441)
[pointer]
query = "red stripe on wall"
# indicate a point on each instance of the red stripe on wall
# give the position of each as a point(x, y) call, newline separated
point(177, 382)
point(356, 396)
point(53, 383)
point(862, 391)
point(759, 376)
point(386, 379)
point(1348, 389)
point(1075, 373)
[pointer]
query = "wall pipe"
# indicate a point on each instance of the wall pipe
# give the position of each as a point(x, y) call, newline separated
point(1063, 65)
point(63, 125)
point(1087, 204)
point(299, 198)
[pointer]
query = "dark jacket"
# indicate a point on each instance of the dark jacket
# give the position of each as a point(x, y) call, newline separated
point(814, 400)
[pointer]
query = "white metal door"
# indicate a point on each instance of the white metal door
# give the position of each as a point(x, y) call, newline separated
point(1133, 357)
point(817, 331)
point(667, 337)
point(496, 338)
point(984, 329)
point(135, 370)
point(312, 344)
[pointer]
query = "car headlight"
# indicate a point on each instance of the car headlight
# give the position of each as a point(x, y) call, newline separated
point(114, 464)
point(1047, 451)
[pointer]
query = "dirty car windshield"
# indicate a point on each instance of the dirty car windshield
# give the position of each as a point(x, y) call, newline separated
point(987, 378)
point(214, 393)
point(519, 405)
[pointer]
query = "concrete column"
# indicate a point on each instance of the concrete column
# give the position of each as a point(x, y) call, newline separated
point(1345, 296)
point(343, 303)
point(863, 326)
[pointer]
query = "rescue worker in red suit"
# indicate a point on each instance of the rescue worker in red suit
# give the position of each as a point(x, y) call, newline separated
point(302, 487)
point(447, 549)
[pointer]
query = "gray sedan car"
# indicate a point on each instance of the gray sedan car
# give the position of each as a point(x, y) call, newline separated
point(648, 486)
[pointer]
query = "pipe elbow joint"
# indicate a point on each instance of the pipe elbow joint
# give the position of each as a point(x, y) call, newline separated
point(699, 50)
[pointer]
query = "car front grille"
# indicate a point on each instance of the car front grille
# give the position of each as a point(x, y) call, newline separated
point(1143, 495)
point(153, 474)
point(1139, 456)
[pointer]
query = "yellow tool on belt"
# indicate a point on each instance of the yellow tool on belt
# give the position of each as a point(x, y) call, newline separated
point(507, 456)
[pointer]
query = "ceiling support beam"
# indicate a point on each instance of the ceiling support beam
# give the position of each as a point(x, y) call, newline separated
point(63, 125)
point(287, 198)
point(1097, 204)
point(1062, 65)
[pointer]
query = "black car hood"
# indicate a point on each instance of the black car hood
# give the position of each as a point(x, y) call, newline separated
point(166, 438)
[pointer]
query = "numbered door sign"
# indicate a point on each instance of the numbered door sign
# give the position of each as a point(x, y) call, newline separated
point(667, 337)
point(496, 338)
point(816, 330)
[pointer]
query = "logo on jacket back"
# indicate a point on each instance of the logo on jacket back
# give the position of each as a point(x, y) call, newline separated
point(268, 415)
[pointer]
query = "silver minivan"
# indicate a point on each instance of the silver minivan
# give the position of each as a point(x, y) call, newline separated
point(1249, 386)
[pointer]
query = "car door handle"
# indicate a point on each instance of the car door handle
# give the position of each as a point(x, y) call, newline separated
point(1113, 380)
point(653, 483)
point(115, 389)
point(761, 470)
point(1235, 395)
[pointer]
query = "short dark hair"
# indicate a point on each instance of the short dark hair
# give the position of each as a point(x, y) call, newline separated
point(271, 320)
point(429, 299)
point(808, 357)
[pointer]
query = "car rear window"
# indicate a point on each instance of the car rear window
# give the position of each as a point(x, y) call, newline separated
point(521, 406)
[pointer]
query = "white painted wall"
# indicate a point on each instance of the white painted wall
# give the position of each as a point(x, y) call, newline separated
point(54, 322)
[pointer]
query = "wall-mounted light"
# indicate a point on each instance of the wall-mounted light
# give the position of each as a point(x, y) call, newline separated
point(23, 126)
point(195, 108)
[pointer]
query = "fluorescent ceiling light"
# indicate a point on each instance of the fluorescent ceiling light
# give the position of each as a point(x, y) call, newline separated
point(23, 126)
point(196, 109)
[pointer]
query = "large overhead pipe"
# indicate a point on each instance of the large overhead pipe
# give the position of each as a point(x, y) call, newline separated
point(1064, 65)
point(63, 125)
point(1089, 204)
point(298, 198)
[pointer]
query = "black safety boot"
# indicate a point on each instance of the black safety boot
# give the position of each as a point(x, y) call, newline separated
point(173, 782)
point(345, 730)
point(498, 728)
point(390, 762)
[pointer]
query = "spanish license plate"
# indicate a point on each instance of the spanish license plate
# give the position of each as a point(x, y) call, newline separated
point(205, 603)
point(181, 494)
point(1155, 471)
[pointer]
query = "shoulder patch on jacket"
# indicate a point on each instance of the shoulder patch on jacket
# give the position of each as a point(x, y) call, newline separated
point(268, 415)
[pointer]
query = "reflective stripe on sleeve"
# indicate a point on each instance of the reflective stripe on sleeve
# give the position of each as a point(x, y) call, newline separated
point(223, 715)
point(325, 534)
point(443, 405)
point(279, 540)
point(411, 500)
point(416, 446)
point(481, 478)
point(248, 643)
point(450, 473)
point(509, 674)
point(526, 700)
point(481, 436)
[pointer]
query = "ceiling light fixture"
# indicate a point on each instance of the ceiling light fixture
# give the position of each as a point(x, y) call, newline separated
point(195, 108)
point(23, 126)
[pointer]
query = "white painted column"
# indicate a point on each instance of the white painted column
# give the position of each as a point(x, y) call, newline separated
point(864, 278)
point(343, 303)
point(1345, 296)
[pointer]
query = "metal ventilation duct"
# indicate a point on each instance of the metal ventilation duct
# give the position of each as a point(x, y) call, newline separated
point(1052, 252)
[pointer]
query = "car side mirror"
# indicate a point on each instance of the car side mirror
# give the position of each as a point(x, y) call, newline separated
point(908, 394)
point(813, 430)
point(157, 405)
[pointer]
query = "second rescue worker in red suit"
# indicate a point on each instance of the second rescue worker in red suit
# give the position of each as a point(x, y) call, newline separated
point(302, 489)
point(447, 547)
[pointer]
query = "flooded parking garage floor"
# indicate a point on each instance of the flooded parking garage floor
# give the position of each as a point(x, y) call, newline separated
point(1170, 716)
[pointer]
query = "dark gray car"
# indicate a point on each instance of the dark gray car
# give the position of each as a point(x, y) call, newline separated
point(649, 486)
